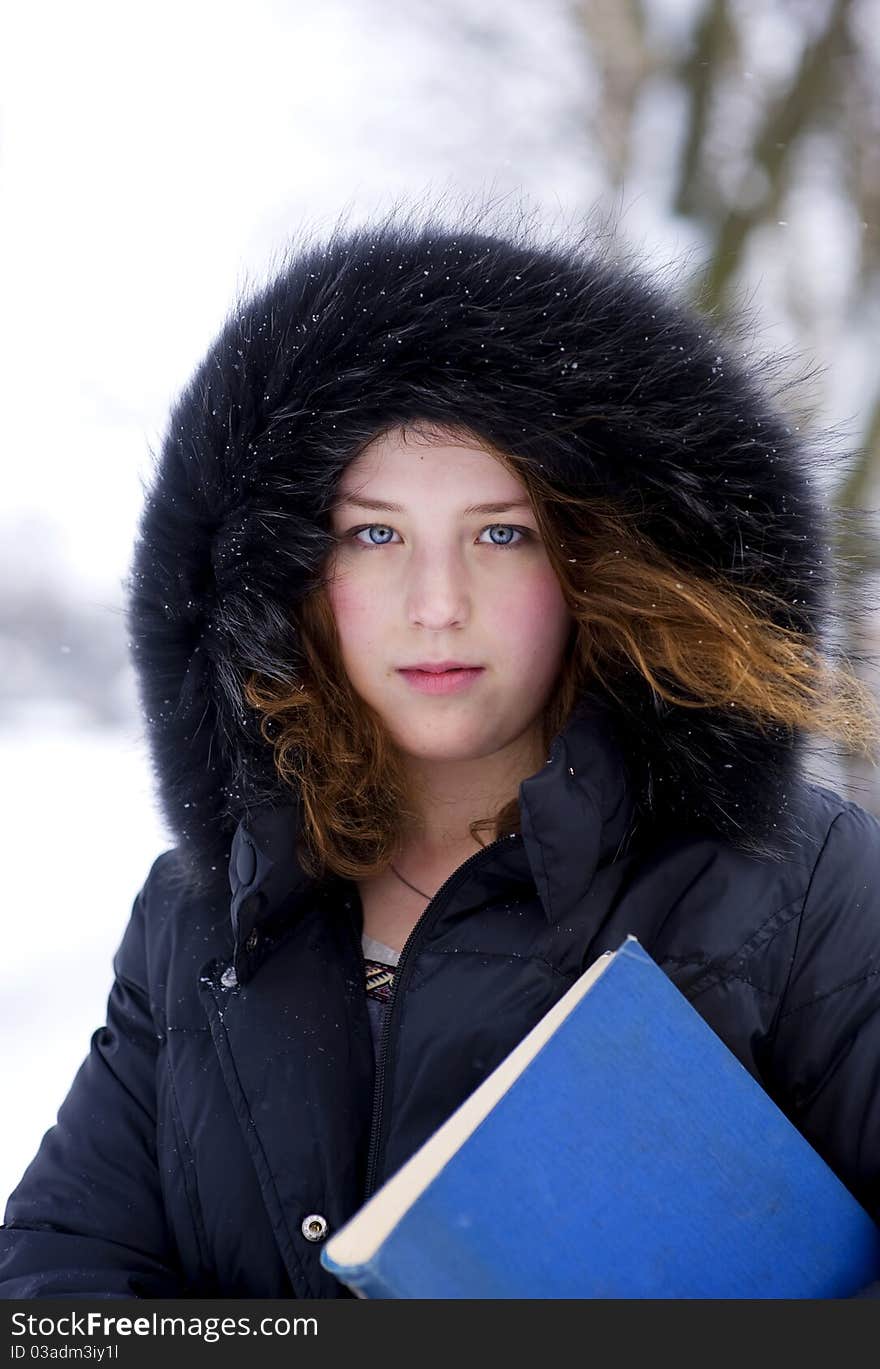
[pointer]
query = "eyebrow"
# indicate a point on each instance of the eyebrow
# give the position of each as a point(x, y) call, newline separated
point(360, 502)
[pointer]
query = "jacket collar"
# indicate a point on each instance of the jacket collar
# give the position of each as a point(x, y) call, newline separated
point(578, 811)
point(576, 814)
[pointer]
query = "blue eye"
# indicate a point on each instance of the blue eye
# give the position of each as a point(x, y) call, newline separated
point(522, 534)
point(507, 527)
point(369, 527)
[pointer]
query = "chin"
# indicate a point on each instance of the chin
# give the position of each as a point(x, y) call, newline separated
point(454, 745)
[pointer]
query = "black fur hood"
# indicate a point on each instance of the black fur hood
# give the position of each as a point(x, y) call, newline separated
point(561, 353)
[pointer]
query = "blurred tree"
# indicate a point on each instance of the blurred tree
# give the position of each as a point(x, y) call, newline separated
point(747, 140)
point(616, 31)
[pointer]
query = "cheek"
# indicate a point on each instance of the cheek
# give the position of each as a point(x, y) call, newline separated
point(354, 610)
point(537, 615)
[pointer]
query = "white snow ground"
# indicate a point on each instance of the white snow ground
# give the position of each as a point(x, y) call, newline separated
point(84, 834)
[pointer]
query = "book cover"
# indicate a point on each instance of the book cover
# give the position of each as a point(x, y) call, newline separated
point(621, 1150)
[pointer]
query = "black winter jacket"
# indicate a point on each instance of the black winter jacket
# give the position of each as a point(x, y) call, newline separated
point(232, 1092)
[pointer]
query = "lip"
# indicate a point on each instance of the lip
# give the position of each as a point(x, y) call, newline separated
point(437, 667)
point(436, 681)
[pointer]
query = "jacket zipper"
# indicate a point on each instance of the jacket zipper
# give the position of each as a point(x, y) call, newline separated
point(417, 933)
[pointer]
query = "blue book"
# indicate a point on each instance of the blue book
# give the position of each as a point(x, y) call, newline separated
point(619, 1151)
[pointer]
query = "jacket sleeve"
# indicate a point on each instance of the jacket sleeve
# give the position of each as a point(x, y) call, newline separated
point(87, 1217)
point(826, 1059)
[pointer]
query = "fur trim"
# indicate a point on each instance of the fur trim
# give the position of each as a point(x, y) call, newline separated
point(558, 352)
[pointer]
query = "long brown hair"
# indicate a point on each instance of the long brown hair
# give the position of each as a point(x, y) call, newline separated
point(698, 641)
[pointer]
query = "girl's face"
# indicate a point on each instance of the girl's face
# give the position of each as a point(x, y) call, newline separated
point(434, 579)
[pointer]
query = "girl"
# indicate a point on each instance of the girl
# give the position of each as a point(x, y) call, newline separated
point(478, 611)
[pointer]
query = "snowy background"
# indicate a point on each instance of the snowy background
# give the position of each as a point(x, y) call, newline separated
point(154, 159)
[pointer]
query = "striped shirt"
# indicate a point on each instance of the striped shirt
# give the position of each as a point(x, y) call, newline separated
point(380, 962)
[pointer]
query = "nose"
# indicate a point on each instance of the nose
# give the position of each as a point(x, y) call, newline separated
point(438, 594)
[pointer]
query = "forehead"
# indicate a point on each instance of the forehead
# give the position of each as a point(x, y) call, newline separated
point(401, 468)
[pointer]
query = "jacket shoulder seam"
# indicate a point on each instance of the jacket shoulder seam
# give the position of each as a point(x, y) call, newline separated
point(716, 973)
point(829, 993)
point(504, 955)
point(733, 977)
point(188, 1171)
point(780, 1013)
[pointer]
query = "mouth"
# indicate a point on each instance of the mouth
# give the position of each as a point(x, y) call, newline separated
point(448, 680)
